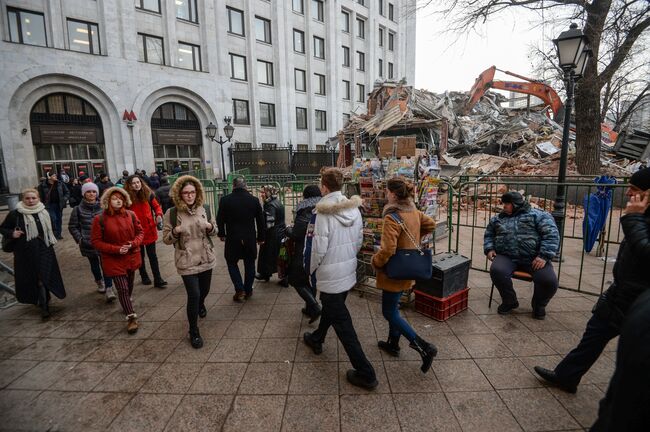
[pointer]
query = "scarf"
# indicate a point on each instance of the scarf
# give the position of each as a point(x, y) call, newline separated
point(30, 223)
point(308, 202)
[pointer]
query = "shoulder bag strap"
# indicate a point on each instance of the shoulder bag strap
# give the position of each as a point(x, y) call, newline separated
point(400, 222)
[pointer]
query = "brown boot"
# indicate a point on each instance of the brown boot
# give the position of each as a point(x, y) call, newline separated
point(132, 325)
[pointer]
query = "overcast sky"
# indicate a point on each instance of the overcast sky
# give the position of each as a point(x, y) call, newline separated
point(442, 63)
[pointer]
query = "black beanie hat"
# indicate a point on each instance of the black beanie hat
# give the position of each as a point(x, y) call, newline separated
point(641, 179)
point(514, 198)
point(311, 191)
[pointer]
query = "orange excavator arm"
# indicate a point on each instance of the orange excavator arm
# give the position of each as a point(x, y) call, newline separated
point(486, 81)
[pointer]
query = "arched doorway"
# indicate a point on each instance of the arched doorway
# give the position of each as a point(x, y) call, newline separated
point(67, 135)
point(176, 138)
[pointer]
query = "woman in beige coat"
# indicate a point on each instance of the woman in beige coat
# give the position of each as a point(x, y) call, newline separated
point(188, 227)
point(400, 202)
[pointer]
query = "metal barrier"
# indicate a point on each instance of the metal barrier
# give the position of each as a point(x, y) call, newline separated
point(470, 205)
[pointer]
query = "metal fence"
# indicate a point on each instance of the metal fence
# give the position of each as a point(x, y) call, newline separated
point(261, 161)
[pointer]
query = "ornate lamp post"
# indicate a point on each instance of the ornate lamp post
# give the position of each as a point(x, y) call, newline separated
point(228, 130)
point(573, 54)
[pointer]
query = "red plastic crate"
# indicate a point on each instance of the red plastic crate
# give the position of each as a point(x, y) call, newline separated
point(441, 309)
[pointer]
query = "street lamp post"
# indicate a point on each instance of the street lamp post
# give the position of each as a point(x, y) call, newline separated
point(573, 54)
point(228, 130)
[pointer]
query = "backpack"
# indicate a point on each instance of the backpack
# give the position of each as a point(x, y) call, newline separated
point(173, 219)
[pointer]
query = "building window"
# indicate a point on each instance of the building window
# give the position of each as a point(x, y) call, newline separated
point(346, 90)
point(345, 21)
point(381, 7)
point(236, 22)
point(238, 67)
point(151, 49)
point(381, 68)
point(148, 5)
point(27, 27)
point(361, 93)
point(319, 84)
point(381, 36)
point(302, 147)
point(83, 37)
point(321, 120)
point(262, 30)
point(361, 61)
point(240, 110)
point(269, 146)
point(317, 10)
point(267, 114)
point(361, 28)
point(319, 47)
point(186, 10)
point(391, 41)
point(391, 12)
point(301, 118)
point(243, 146)
point(321, 147)
point(346, 119)
point(390, 70)
point(298, 41)
point(298, 6)
point(189, 56)
point(301, 79)
point(346, 56)
point(361, 2)
point(264, 72)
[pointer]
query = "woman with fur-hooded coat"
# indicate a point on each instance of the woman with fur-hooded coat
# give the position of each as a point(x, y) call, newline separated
point(191, 233)
point(117, 235)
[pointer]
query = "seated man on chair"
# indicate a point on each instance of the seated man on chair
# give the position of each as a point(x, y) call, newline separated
point(521, 238)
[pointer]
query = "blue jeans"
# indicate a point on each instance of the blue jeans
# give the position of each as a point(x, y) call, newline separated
point(56, 217)
point(96, 268)
point(249, 275)
point(396, 324)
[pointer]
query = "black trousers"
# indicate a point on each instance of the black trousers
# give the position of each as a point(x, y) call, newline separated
point(544, 280)
point(594, 340)
point(197, 287)
point(336, 314)
point(153, 261)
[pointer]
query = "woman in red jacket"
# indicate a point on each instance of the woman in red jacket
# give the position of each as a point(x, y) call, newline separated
point(117, 235)
point(146, 207)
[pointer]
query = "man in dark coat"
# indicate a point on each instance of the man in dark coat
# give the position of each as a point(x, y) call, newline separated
point(297, 275)
point(104, 183)
point(267, 261)
point(162, 194)
point(54, 195)
point(630, 281)
point(238, 216)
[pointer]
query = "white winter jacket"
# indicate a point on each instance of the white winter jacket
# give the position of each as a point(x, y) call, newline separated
point(337, 237)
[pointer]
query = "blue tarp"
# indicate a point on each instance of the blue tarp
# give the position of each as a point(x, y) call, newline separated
point(596, 205)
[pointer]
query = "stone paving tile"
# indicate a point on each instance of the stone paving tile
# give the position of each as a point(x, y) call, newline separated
point(525, 344)
point(11, 346)
point(281, 329)
point(311, 413)
point(507, 373)
point(219, 378)
point(95, 412)
point(152, 350)
point(459, 375)
point(127, 377)
point(72, 329)
point(561, 341)
point(77, 350)
point(583, 405)
point(537, 410)
point(233, 350)
point(83, 376)
point(255, 414)
point(482, 411)
point(467, 323)
point(200, 413)
point(172, 378)
point(184, 353)
point(330, 351)
point(113, 350)
point(275, 350)
point(42, 376)
point(12, 369)
point(314, 378)
point(145, 329)
point(369, 412)
point(103, 330)
point(146, 412)
point(266, 378)
point(425, 413)
point(41, 349)
point(406, 377)
point(15, 406)
point(50, 410)
point(484, 345)
point(245, 329)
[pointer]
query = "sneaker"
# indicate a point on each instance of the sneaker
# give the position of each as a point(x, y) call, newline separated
point(316, 347)
point(132, 325)
point(239, 297)
point(101, 288)
point(355, 379)
point(110, 295)
point(506, 308)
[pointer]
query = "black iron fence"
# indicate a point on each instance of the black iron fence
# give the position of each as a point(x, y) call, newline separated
point(284, 160)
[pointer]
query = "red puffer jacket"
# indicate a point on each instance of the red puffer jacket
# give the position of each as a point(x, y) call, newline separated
point(118, 230)
point(143, 211)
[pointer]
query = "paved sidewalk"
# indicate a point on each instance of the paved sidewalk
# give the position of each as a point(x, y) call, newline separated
point(81, 371)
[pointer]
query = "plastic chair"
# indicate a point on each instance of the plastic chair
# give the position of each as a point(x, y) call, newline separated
point(519, 275)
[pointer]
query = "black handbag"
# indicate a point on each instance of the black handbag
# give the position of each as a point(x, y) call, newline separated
point(409, 264)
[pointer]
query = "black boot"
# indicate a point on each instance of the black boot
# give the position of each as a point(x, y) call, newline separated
point(145, 278)
point(426, 350)
point(203, 312)
point(312, 308)
point(391, 347)
point(43, 301)
point(195, 338)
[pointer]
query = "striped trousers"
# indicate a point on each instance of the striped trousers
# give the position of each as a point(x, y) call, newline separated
point(124, 286)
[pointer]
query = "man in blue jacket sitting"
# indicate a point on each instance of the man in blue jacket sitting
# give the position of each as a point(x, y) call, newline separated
point(524, 239)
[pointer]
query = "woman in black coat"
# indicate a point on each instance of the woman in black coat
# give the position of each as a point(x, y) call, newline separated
point(298, 277)
point(29, 231)
point(267, 262)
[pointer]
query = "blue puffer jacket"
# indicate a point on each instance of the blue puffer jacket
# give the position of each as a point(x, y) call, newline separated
point(522, 236)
